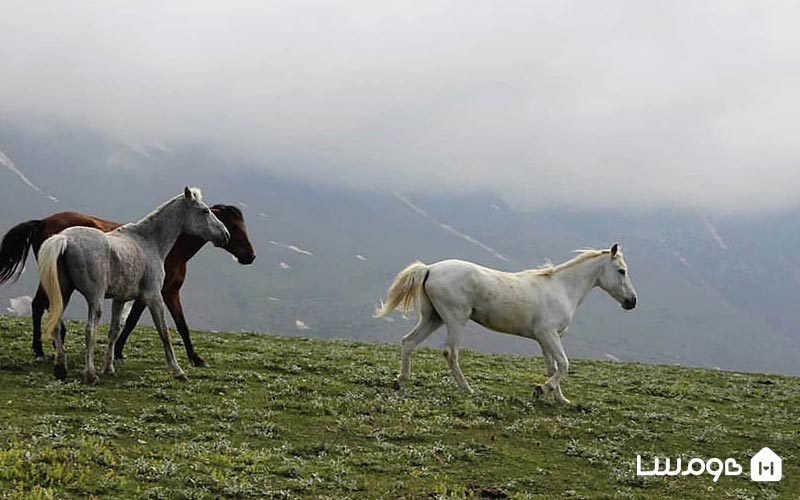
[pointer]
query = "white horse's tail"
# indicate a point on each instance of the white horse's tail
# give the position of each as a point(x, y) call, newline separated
point(51, 251)
point(405, 290)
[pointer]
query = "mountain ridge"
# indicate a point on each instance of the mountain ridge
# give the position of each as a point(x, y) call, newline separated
point(703, 303)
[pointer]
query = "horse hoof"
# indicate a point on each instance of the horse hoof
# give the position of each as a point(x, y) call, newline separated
point(91, 378)
point(119, 357)
point(396, 385)
point(61, 372)
point(538, 391)
point(200, 363)
point(40, 359)
point(181, 376)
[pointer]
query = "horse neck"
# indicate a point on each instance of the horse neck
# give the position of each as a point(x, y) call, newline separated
point(578, 280)
point(161, 227)
point(186, 246)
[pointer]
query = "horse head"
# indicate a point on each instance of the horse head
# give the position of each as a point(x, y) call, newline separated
point(239, 243)
point(615, 279)
point(200, 221)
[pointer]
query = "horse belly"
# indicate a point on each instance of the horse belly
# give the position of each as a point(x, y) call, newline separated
point(126, 274)
point(505, 317)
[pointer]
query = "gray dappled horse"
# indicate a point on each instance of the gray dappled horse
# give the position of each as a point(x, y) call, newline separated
point(125, 264)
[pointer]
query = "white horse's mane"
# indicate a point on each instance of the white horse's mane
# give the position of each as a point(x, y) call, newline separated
point(584, 254)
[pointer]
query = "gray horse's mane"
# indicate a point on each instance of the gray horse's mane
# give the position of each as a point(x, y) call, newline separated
point(198, 194)
point(583, 255)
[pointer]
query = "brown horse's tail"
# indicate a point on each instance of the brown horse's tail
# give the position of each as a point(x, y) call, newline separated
point(49, 255)
point(15, 247)
point(405, 289)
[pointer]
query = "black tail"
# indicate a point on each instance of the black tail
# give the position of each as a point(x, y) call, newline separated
point(15, 247)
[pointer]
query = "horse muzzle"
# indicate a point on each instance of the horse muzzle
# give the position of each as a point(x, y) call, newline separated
point(246, 259)
point(629, 304)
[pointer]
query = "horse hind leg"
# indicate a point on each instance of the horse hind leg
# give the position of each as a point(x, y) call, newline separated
point(38, 306)
point(95, 311)
point(58, 339)
point(428, 322)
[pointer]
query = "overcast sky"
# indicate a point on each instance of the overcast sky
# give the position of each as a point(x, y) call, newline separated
point(614, 103)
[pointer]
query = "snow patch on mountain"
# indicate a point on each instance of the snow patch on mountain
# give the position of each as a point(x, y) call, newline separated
point(449, 228)
point(681, 259)
point(6, 162)
point(712, 230)
point(293, 248)
point(139, 149)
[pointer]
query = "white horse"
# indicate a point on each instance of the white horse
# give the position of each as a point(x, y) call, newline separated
point(538, 304)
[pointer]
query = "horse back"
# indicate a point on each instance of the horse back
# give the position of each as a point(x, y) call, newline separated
point(57, 222)
point(501, 301)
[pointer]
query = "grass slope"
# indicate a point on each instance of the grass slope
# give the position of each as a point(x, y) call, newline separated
point(293, 418)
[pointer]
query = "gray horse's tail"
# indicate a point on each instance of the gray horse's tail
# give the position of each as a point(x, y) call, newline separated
point(405, 290)
point(49, 255)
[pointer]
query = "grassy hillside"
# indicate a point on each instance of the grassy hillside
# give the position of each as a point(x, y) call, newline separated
point(293, 418)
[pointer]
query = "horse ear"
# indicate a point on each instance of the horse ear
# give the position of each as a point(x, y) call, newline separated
point(187, 193)
point(614, 250)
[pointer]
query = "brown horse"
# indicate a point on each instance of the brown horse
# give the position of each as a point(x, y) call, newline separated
point(31, 234)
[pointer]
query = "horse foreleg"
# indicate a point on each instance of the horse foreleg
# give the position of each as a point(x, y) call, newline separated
point(113, 332)
point(130, 323)
point(156, 307)
point(173, 302)
point(551, 346)
point(95, 310)
point(550, 365)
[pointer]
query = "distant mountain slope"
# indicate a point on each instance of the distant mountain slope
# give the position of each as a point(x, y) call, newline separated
point(713, 292)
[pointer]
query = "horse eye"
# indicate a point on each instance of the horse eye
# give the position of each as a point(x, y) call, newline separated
point(622, 272)
point(206, 211)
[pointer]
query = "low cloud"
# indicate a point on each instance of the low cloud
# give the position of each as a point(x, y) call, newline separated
point(613, 104)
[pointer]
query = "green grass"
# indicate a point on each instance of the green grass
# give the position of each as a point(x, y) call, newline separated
point(292, 418)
